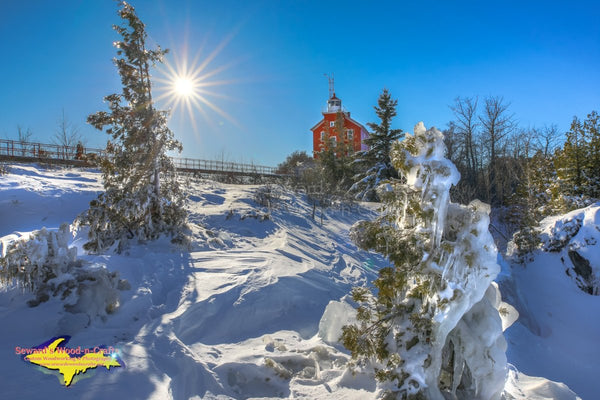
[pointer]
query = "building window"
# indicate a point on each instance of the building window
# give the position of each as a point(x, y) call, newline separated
point(322, 136)
point(331, 124)
point(350, 134)
point(333, 141)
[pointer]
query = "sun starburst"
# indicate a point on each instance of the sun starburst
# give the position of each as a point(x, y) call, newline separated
point(183, 86)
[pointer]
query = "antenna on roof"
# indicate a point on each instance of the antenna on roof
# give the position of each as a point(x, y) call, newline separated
point(330, 79)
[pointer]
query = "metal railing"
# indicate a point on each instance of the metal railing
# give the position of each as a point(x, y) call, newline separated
point(216, 166)
point(13, 150)
point(44, 151)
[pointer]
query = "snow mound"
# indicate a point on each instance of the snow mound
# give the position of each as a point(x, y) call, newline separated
point(575, 236)
point(43, 263)
point(556, 335)
point(520, 386)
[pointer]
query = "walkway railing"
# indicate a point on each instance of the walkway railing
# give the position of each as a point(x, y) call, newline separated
point(20, 149)
point(214, 166)
point(13, 150)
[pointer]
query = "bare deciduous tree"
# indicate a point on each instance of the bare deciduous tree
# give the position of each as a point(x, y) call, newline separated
point(67, 133)
point(465, 110)
point(523, 143)
point(497, 124)
point(548, 139)
point(24, 135)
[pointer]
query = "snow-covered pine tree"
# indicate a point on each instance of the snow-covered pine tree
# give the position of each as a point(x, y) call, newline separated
point(142, 197)
point(432, 330)
point(527, 205)
point(578, 163)
point(375, 162)
point(575, 181)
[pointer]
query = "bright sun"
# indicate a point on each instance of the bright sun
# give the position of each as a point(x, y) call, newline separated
point(187, 86)
point(184, 87)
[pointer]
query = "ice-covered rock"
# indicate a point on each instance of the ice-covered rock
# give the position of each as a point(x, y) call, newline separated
point(336, 315)
point(575, 236)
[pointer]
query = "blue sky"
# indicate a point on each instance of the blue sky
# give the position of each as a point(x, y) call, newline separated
point(270, 58)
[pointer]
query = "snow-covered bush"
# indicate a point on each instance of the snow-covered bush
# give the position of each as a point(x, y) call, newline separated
point(336, 315)
point(43, 263)
point(268, 196)
point(430, 330)
point(524, 242)
point(32, 260)
point(92, 290)
point(118, 216)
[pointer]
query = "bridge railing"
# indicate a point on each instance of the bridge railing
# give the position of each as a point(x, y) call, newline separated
point(222, 166)
point(40, 151)
point(15, 148)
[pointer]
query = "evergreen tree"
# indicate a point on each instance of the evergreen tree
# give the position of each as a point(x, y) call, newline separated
point(578, 162)
point(413, 331)
point(295, 163)
point(375, 162)
point(142, 198)
point(571, 159)
point(295, 166)
point(591, 130)
point(528, 205)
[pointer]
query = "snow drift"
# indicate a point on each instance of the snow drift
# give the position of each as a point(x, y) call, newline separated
point(556, 335)
point(235, 316)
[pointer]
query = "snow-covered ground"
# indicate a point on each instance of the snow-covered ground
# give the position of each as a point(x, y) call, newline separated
point(236, 315)
point(557, 334)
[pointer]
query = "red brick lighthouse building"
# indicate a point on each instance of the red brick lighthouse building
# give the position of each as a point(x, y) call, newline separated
point(353, 133)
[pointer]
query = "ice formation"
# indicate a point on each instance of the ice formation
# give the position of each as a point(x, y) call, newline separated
point(468, 349)
point(336, 315)
point(436, 311)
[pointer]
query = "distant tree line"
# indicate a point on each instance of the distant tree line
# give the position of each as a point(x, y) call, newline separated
point(532, 172)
